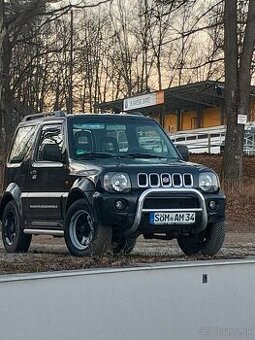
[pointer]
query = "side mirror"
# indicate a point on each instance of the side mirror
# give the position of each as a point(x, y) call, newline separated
point(184, 151)
point(51, 152)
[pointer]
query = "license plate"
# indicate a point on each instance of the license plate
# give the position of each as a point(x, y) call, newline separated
point(172, 218)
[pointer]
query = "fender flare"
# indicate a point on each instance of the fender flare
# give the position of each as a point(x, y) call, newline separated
point(81, 188)
point(12, 193)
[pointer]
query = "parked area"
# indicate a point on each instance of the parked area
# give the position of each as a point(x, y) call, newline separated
point(50, 254)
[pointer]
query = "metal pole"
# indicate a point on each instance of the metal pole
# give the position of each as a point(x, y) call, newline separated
point(209, 143)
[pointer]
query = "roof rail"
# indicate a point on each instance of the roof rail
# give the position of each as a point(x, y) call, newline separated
point(134, 113)
point(43, 115)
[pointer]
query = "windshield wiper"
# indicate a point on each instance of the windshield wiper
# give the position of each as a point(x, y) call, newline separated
point(127, 155)
point(97, 155)
point(141, 155)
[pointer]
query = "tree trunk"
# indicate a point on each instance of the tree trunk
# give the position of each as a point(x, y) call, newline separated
point(2, 35)
point(9, 117)
point(5, 100)
point(232, 154)
point(237, 87)
point(245, 62)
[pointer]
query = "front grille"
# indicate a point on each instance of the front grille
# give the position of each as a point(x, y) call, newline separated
point(143, 180)
point(154, 180)
point(171, 203)
point(177, 180)
point(165, 180)
point(188, 180)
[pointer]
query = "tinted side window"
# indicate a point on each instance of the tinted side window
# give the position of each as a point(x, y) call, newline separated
point(149, 139)
point(23, 140)
point(50, 134)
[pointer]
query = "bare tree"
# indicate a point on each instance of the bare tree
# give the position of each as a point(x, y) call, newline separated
point(17, 17)
point(160, 24)
point(124, 49)
point(2, 35)
point(90, 59)
point(237, 84)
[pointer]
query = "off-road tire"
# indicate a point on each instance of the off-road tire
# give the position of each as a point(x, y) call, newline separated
point(80, 228)
point(208, 242)
point(14, 240)
point(124, 246)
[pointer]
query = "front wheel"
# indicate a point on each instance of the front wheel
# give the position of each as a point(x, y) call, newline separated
point(124, 246)
point(82, 235)
point(14, 239)
point(208, 242)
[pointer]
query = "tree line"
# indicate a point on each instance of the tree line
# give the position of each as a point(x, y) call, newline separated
point(73, 58)
point(58, 55)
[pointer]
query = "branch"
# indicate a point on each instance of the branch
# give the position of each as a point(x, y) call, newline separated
point(201, 65)
point(38, 55)
point(176, 4)
point(72, 6)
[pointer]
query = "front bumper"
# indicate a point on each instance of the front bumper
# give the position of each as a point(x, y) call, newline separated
point(135, 217)
point(140, 209)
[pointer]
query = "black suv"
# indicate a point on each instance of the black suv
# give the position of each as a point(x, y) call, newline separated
point(101, 180)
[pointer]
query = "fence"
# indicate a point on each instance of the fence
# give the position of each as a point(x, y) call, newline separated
point(212, 140)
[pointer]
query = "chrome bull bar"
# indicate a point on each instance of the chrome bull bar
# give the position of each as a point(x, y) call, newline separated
point(140, 210)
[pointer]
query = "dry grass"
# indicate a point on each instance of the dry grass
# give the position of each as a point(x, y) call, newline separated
point(240, 196)
point(49, 262)
point(243, 193)
point(240, 210)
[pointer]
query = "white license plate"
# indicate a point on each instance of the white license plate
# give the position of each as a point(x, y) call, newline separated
point(172, 218)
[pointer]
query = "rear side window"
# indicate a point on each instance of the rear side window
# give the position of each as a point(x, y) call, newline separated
point(24, 139)
point(50, 134)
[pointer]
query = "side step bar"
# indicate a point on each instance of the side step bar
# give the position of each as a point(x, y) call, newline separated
point(44, 232)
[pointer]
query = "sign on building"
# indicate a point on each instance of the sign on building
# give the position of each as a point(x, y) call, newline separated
point(241, 119)
point(145, 100)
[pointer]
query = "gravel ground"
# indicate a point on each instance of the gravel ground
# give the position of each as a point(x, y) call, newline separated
point(50, 254)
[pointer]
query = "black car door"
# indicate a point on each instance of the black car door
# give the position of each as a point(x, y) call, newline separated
point(46, 184)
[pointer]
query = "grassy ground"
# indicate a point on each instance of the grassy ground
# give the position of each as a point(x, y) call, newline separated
point(48, 254)
point(240, 200)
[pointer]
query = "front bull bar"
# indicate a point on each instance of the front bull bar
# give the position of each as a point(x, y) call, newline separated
point(140, 210)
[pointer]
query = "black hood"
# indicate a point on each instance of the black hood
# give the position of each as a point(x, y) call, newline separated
point(96, 169)
point(102, 165)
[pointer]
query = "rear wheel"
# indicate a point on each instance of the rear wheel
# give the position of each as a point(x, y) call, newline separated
point(82, 235)
point(208, 242)
point(124, 246)
point(14, 239)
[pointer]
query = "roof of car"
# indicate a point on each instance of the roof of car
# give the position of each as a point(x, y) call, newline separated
point(59, 115)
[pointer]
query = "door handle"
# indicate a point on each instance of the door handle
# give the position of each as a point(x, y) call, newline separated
point(33, 174)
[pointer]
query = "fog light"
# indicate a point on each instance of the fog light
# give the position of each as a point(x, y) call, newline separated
point(212, 205)
point(120, 205)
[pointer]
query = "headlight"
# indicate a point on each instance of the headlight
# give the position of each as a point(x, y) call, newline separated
point(208, 182)
point(117, 181)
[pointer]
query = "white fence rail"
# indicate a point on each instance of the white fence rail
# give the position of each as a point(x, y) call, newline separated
point(186, 301)
point(212, 140)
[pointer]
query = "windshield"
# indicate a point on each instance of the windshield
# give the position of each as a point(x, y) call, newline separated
point(138, 138)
